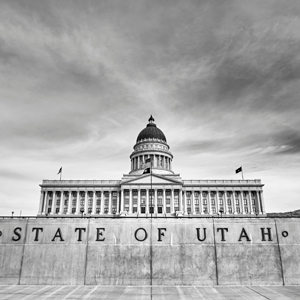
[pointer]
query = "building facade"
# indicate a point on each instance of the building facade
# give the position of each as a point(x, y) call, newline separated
point(158, 193)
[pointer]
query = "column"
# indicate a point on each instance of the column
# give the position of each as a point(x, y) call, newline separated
point(193, 203)
point(250, 211)
point(241, 200)
point(217, 202)
point(45, 202)
point(155, 201)
point(94, 202)
point(102, 202)
point(109, 202)
point(78, 203)
point(139, 201)
point(208, 202)
point(184, 202)
point(164, 201)
point(257, 203)
point(70, 203)
point(200, 202)
point(53, 202)
point(62, 204)
point(180, 200)
point(225, 203)
point(233, 203)
point(130, 201)
point(86, 205)
point(147, 201)
point(122, 200)
point(41, 203)
point(170, 165)
point(172, 201)
point(118, 203)
point(163, 162)
point(262, 202)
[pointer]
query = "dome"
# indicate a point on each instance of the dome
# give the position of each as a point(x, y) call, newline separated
point(151, 132)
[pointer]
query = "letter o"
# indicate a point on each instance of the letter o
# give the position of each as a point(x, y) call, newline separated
point(136, 232)
point(285, 233)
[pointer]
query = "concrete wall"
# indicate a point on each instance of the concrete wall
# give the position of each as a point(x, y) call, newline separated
point(174, 252)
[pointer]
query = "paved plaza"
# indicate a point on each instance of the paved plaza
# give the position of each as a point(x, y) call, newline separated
point(69, 292)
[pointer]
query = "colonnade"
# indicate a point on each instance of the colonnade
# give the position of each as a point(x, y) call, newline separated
point(158, 161)
point(144, 201)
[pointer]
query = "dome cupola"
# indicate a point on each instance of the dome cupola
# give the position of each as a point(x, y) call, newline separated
point(151, 143)
point(151, 132)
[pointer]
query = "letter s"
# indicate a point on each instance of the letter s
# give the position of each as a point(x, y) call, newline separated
point(17, 234)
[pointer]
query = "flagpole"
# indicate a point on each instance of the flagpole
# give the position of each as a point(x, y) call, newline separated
point(151, 250)
point(242, 173)
point(60, 174)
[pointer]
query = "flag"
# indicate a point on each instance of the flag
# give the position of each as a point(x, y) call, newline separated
point(238, 170)
point(147, 160)
point(146, 171)
point(59, 170)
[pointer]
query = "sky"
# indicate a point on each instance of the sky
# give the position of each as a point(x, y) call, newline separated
point(79, 80)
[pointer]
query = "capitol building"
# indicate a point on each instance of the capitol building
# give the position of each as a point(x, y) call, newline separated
point(151, 188)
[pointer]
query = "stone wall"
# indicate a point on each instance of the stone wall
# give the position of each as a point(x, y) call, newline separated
point(142, 251)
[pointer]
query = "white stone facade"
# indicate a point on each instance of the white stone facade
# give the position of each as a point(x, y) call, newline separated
point(170, 197)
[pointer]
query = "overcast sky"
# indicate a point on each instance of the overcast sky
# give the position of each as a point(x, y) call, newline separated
point(79, 80)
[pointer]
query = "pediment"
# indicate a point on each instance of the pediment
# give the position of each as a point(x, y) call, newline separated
point(156, 179)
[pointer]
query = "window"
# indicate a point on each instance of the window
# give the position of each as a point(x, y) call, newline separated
point(189, 209)
point(66, 202)
point(58, 202)
point(246, 210)
point(221, 201)
point(159, 201)
point(126, 193)
point(97, 210)
point(134, 209)
point(98, 194)
point(175, 202)
point(134, 201)
point(159, 210)
point(254, 209)
point(196, 194)
point(50, 202)
point(65, 210)
point(98, 202)
point(89, 210)
point(168, 209)
point(237, 202)
point(49, 210)
point(205, 210)
point(245, 201)
point(230, 210)
point(143, 209)
point(134, 193)
point(188, 194)
point(238, 210)
point(204, 201)
point(168, 201)
point(82, 202)
point(73, 210)
point(213, 209)
point(159, 193)
point(74, 202)
point(106, 202)
point(90, 194)
point(229, 201)
point(168, 193)
point(188, 202)
point(143, 201)
point(197, 209)
point(253, 201)
point(90, 202)
point(57, 210)
point(143, 193)
point(197, 201)
point(213, 202)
